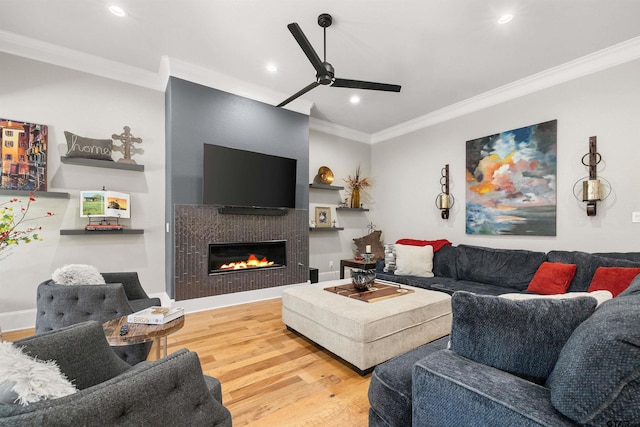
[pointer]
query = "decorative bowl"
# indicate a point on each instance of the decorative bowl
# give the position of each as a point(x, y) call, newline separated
point(362, 279)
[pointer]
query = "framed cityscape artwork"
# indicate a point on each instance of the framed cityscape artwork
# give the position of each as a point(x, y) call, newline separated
point(511, 182)
point(23, 156)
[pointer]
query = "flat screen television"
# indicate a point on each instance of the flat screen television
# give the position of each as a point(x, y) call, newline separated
point(240, 178)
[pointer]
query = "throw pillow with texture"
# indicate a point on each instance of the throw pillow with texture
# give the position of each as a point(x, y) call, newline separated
point(597, 376)
point(552, 278)
point(414, 260)
point(520, 337)
point(613, 279)
point(25, 380)
point(372, 239)
point(88, 148)
point(77, 274)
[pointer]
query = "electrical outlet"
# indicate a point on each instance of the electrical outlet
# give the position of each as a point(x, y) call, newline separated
point(331, 265)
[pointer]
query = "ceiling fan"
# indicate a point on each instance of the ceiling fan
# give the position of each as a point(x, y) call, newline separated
point(324, 71)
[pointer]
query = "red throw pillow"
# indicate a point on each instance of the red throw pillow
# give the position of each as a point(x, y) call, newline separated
point(612, 279)
point(552, 278)
point(437, 244)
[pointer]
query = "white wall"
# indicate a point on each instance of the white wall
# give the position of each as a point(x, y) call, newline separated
point(606, 104)
point(93, 107)
point(342, 156)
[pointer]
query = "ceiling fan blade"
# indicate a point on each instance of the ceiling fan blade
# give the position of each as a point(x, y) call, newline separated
point(298, 94)
point(307, 48)
point(358, 84)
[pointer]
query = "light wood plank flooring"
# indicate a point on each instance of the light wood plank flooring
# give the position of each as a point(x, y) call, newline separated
point(270, 376)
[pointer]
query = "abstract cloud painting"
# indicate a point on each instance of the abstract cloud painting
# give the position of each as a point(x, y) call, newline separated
point(511, 182)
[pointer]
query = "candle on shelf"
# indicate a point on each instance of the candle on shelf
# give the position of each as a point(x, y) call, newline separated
point(367, 249)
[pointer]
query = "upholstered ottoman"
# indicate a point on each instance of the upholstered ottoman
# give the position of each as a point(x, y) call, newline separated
point(366, 333)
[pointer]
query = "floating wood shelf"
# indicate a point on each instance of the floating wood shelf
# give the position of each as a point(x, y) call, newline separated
point(326, 228)
point(101, 163)
point(23, 193)
point(325, 187)
point(353, 209)
point(100, 232)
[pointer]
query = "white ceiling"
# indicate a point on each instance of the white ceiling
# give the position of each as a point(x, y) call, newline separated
point(442, 52)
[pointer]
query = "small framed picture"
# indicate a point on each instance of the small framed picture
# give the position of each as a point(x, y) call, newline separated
point(323, 217)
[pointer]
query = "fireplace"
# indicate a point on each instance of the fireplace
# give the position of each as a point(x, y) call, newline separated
point(246, 256)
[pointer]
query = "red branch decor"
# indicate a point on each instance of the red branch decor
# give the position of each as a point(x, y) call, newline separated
point(13, 214)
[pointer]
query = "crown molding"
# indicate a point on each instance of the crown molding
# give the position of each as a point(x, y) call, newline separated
point(206, 77)
point(69, 58)
point(338, 130)
point(53, 54)
point(606, 58)
point(47, 52)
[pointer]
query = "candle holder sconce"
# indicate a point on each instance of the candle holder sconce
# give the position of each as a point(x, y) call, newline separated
point(594, 189)
point(444, 200)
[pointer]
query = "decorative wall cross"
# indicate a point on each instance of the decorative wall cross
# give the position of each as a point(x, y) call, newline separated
point(127, 147)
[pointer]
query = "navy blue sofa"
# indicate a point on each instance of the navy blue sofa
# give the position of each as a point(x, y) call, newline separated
point(435, 385)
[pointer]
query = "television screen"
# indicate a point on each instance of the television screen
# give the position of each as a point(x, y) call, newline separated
point(234, 177)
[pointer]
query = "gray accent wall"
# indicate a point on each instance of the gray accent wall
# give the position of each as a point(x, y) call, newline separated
point(197, 114)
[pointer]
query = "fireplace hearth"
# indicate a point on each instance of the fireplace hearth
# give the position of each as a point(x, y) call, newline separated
point(246, 256)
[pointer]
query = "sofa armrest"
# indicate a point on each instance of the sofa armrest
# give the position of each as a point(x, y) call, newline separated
point(130, 282)
point(449, 389)
point(170, 391)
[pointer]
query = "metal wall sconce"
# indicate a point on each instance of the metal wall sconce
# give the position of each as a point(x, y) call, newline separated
point(592, 188)
point(444, 200)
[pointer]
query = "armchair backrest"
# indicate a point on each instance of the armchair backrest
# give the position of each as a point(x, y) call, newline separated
point(81, 351)
point(130, 281)
point(64, 305)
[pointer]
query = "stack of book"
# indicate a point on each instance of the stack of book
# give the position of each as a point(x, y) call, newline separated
point(156, 315)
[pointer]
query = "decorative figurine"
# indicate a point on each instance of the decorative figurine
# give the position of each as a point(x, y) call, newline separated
point(127, 147)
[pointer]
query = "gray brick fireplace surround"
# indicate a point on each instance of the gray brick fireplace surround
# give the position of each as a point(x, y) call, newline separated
point(198, 225)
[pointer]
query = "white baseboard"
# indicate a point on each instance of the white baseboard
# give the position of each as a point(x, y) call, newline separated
point(25, 319)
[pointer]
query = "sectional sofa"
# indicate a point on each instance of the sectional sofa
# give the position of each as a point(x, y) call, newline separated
point(554, 369)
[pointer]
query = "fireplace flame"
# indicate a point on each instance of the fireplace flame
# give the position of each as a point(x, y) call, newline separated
point(251, 262)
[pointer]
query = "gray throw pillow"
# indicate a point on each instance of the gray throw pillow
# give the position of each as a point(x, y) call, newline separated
point(597, 377)
point(88, 148)
point(520, 337)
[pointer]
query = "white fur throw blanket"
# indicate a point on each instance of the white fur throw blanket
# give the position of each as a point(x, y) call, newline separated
point(77, 274)
point(24, 379)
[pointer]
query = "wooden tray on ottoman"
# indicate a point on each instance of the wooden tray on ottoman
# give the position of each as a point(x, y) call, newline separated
point(378, 292)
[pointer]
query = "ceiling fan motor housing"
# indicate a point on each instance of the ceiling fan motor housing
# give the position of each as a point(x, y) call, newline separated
point(326, 78)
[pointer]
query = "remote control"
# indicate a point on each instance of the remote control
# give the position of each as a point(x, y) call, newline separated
point(124, 330)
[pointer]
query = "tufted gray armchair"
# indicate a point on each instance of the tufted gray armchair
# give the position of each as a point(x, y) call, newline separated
point(171, 391)
point(63, 305)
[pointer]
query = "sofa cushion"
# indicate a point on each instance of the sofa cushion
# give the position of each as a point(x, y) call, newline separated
point(414, 260)
point(552, 278)
point(633, 289)
point(444, 262)
point(597, 376)
point(586, 265)
point(521, 337)
point(390, 387)
point(613, 279)
point(512, 268)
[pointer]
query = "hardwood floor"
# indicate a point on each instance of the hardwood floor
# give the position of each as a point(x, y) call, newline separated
point(270, 376)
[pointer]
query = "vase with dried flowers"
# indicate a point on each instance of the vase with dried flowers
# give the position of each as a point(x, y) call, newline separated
point(13, 215)
point(356, 183)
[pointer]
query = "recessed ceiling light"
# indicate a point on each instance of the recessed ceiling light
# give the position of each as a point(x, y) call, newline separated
point(355, 99)
point(272, 68)
point(117, 10)
point(507, 17)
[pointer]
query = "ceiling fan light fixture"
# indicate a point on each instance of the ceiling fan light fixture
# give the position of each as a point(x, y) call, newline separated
point(117, 10)
point(507, 17)
point(271, 67)
point(355, 99)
